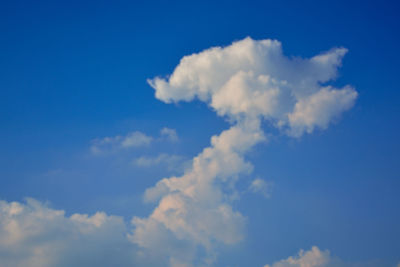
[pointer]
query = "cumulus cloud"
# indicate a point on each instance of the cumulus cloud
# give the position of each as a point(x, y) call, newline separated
point(312, 258)
point(32, 234)
point(318, 258)
point(194, 209)
point(319, 109)
point(254, 78)
point(246, 82)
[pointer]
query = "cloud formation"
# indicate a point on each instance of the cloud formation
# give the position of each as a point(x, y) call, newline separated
point(318, 258)
point(311, 258)
point(193, 207)
point(254, 79)
point(246, 82)
point(35, 235)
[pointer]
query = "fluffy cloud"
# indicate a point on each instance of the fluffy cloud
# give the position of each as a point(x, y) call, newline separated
point(33, 234)
point(317, 258)
point(195, 209)
point(254, 78)
point(312, 258)
point(318, 109)
point(245, 82)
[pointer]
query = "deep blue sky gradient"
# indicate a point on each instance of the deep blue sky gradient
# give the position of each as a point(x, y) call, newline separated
point(72, 71)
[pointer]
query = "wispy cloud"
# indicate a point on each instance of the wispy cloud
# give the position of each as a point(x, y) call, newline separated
point(109, 144)
point(169, 134)
point(172, 162)
point(261, 187)
point(131, 140)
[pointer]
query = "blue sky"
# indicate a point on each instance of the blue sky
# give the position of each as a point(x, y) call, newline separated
point(73, 73)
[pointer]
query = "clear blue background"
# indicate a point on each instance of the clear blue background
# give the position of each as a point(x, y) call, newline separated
point(72, 71)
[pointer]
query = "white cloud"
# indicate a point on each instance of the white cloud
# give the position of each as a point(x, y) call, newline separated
point(35, 235)
point(170, 134)
point(318, 109)
point(193, 208)
point(246, 82)
point(312, 258)
point(254, 78)
point(260, 186)
point(317, 258)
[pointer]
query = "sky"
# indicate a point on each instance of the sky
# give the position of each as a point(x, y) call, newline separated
point(199, 133)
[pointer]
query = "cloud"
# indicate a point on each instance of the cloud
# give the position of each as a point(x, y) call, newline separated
point(246, 82)
point(135, 139)
point(169, 134)
point(260, 186)
point(312, 258)
point(253, 78)
point(317, 258)
point(131, 140)
point(318, 109)
point(32, 234)
point(192, 209)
